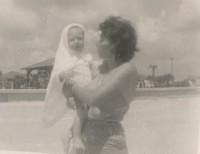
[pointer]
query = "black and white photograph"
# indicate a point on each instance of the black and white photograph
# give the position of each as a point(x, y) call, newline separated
point(99, 77)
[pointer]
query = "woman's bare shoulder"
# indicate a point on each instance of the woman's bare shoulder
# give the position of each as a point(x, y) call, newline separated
point(132, 68)
point(129, 69)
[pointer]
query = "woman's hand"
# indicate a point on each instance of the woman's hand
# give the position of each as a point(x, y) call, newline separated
point(71, 103)
point(67, 88)
point(65, 75)
point(77, 146)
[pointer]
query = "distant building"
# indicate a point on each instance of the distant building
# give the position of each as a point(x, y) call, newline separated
point(197, 81)
point(13, 80)
point(145, 84)
point(193, 80)
point(37, 75)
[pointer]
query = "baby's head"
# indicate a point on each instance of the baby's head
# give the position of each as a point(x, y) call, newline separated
point(76, 37)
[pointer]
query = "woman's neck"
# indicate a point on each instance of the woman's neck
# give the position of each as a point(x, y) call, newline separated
point(112, 63)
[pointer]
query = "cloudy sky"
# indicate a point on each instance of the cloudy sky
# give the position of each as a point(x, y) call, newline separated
point(30, 30)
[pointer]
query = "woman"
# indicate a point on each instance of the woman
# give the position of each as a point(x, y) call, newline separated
point(109, 95)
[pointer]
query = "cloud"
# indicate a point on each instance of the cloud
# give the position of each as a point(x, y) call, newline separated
point(15, 22)
point(30, 29)
point(171, 35)
point(187, 17)
point(155, 8)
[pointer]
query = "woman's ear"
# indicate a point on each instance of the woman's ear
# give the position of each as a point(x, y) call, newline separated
point(113, 51)
point(112, 47)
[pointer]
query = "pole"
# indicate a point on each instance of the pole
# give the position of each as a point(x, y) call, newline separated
point(172, 66)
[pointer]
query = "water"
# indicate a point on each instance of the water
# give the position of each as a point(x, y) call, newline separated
point(163, 126)
point(155, 124)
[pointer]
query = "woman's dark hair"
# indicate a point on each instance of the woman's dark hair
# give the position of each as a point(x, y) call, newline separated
point(122, 35)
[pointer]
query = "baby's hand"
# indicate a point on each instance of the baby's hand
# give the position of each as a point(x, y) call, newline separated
point(94, 113)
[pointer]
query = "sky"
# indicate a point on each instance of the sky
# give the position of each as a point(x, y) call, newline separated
point(30, 30)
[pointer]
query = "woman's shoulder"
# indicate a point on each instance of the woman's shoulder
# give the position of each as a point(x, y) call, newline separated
point(130, 81)
point(132, 68)
point(128, 69)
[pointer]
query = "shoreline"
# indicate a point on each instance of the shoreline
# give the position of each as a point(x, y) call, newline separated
point(10, 95)
point(137, 89)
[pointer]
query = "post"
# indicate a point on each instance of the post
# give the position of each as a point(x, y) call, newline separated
point(171, 60)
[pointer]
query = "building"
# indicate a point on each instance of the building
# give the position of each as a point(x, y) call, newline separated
point(13, 80)
point(37, 75)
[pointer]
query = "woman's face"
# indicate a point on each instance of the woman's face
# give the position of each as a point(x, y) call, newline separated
point(104, 48)
point(76, 38)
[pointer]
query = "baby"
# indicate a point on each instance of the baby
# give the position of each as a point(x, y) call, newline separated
point(79, 73)
point(71, 64)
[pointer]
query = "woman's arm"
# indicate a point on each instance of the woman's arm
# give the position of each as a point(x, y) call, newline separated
point(65, 75)
point(111, 87)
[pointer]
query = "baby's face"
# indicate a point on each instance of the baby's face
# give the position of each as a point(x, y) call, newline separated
point(76, 38)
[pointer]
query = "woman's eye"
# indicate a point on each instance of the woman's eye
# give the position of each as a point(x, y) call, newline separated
point(80, 38)
point(71, 40)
